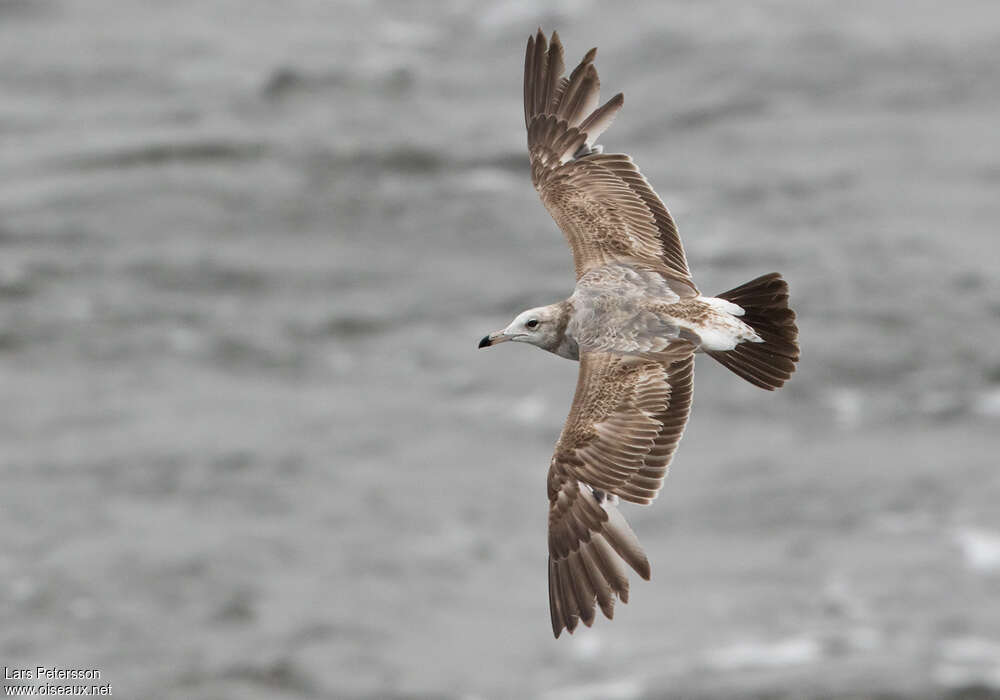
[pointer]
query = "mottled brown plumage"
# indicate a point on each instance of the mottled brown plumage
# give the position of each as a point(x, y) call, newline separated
point(602, 203)
point(634, 321)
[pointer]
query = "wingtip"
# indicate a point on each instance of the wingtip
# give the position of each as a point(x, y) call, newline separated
point(537, 42)
point(645, 571)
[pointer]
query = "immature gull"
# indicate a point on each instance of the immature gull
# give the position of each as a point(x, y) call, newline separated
point(634, 321)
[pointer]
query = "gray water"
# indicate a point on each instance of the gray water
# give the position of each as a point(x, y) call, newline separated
point(250, 449)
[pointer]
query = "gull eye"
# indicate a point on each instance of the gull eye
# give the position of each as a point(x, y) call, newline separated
point(532, 324)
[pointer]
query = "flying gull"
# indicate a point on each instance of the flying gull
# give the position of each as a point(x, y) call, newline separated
point(634, 321)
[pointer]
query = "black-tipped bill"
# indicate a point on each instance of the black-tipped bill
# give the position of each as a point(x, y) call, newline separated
point(493, 339)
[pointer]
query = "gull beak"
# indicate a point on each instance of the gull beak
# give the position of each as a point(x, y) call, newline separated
point(493, 339)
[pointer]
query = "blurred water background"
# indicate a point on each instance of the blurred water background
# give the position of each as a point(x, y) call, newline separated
point(250, 450)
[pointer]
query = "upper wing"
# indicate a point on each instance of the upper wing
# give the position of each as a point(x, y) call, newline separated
point(628, 415)
point(603, 204)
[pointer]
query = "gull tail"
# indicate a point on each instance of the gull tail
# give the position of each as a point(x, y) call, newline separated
point(765, 305)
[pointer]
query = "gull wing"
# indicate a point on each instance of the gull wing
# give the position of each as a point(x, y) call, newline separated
point(603, 204)
point(628, 415)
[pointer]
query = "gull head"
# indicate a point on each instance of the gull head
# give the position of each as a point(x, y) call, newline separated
point(544, 326)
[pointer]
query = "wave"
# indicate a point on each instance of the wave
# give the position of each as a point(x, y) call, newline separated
point(170, 152)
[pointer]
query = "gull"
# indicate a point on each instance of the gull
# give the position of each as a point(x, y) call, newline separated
point(634, 322)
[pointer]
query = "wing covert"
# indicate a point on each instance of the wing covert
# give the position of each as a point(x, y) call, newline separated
point(628, 415)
